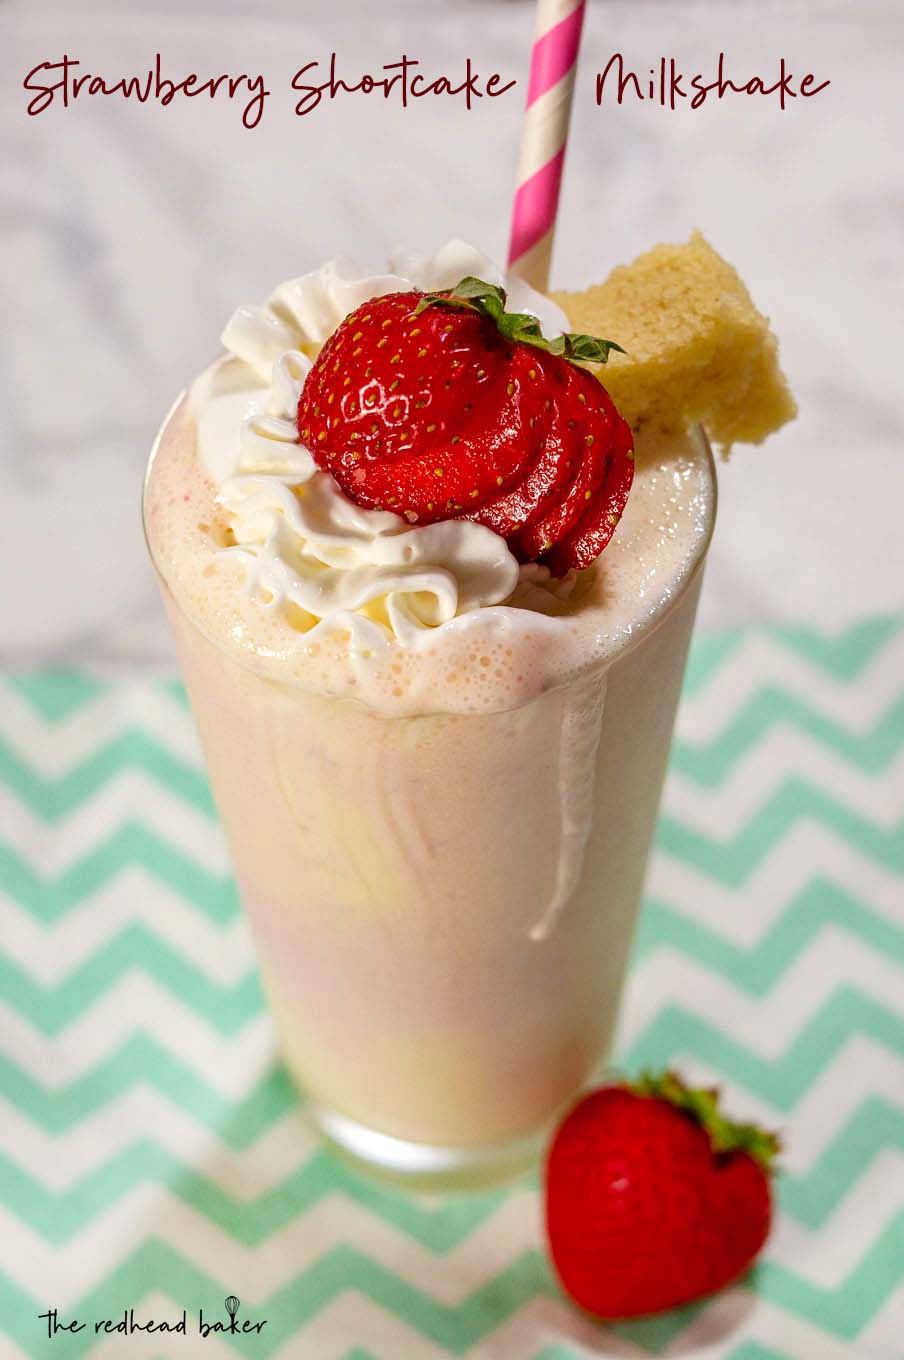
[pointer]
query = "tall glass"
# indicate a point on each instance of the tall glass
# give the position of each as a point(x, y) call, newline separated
point(443, 905)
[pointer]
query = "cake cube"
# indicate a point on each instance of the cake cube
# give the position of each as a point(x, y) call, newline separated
point(698, 351)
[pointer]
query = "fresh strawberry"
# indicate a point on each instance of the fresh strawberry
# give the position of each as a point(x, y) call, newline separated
point(653, 1198)
point(445, 406)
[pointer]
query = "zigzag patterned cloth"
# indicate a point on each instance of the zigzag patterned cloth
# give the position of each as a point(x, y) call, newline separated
point(152, 1151)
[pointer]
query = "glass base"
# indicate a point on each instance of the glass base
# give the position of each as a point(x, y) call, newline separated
point(421, 1165)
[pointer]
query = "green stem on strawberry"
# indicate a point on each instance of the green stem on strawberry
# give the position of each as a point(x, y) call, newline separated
point(702, 1104)
point(487, 299)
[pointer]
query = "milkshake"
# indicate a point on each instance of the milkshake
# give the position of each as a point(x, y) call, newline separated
point(438, 767)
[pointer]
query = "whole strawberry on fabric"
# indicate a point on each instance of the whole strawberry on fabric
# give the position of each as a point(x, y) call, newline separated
point(445, 406)
point(654, 1198)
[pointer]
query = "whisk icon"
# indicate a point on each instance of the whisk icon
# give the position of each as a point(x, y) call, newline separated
point(232, 1307)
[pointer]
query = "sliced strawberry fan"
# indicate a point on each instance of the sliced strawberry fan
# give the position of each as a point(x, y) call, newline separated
point(446, 406)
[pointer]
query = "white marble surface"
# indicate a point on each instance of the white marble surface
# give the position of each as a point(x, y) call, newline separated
point(130, 232)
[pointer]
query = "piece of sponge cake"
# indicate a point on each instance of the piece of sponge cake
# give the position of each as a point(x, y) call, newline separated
point(697, 348)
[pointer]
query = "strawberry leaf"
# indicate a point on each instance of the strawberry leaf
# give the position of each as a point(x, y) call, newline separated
point(488, 299)
point(702, 1104)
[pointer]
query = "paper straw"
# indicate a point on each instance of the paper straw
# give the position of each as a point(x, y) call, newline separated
point(552, 69)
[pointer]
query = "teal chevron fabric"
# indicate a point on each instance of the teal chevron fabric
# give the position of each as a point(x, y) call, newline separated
point(154, 1155)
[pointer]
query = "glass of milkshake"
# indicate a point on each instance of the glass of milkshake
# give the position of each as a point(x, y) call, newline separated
point(438, 768)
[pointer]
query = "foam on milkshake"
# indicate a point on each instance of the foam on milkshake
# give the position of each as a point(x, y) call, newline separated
point(488, 659)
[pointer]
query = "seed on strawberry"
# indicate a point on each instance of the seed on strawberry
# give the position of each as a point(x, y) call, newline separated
point(446, 406)
point(654, 1198)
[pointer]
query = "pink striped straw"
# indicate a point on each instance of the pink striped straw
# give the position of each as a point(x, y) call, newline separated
point(552, 70)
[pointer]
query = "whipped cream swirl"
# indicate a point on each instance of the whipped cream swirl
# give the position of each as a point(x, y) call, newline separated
point(306, 548)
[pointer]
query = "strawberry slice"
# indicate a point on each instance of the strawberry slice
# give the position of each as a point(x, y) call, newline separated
point(583, 424)
point(590, 535)
point(444, 476)
point(538, 387)
point(389, 380)
point(416, 412)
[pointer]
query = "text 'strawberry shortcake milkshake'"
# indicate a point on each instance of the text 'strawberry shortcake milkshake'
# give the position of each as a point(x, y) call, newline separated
point(433, 595)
